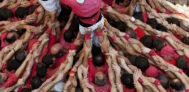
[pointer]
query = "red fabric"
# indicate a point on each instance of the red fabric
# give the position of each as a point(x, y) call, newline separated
point(11, 81)
point(14, 10)
point(187, 90)
point(140, 33)
point(3, 40)
point(105, 88)
point(87, 36)
point(127, 36)
point(4, 67)
point(145, 17)
point(177, 36)
point(32, 74)
point(36, 11)
point(152, 71)
point(65, 44)
point(99, 33)
point(168, 51)
point(125, 89)
point(152, 53)
point(87, 9)
point(157, 10)
point(58, 61)
point(172, 61)
point(157, 83)
point(52, 41)
point(140, 80)
point(31, 2)
point(31, 43)
point(48, 31)
point(109, 2)
point(113, 38)
point(73, 47)
point(167, 12)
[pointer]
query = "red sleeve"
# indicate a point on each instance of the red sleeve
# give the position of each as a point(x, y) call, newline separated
point(187, 90)
point(11, 81)
point(91, 70)
point(52, 41)
point(145, 17)
point(167, 12)
point(48, 31)
point(31, 42)
point(177, 36)
point(44, 52)
point(140, 32)
point(59, 61)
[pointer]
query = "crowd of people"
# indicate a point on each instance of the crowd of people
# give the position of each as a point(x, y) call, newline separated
point(94, 46)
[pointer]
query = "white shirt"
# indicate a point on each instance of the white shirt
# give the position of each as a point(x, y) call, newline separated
point(51, 5)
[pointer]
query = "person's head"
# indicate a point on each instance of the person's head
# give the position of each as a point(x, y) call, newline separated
point(35, 82)
point(172, 20)
point(123, 2)
point(142, 63)
point(69, 36)
point(5, 14)
point(181, 62)
point(26, 90)
point(164, 80)
point(127, 80)
point(121, 26)
point(21, 32)
point(138, 15)
point(3, 77)
point(158, 43)
point(185, 40)
point(57, 50)
point(98, 60)
point(147, 41)
point(31, 10)
point(176, 85)
point(160, 27)
point(20, 55)
point(48, 60)
point(12, 65)
point(152, 71)
point(11, 37)
point(100, 79)
point(21, 12)
point(168, 53)
point(96, 50)
point(41, 70)
point(131, 33)
point(152, 22)
point(132, 59)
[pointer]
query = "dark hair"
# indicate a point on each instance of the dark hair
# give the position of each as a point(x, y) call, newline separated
point(12, 65)
point(68, 36)
point(41, 70)
point(21, 12)
point(121, 26)
point(98, 60)
point(31, 9)
point(147, 41)
point(111, 21)
point(127, 80)
point(158, 43)
point(21, 32)
point(96, 50)
point(35, 82)
point(152, 22)
point(176, 84)
point(138, 15)
point(142, 63)
point(164, 80)
point(119, 1)
point(5, 13)
point(181, 62)
point(48, 60)
point(131, 33)
point(25, 90)
point(10, 39)
point(173, 20)
point(185, 40)
point(132, 59)
point(160, 27)
point(20, 55)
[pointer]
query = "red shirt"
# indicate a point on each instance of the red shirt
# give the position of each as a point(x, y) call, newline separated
point(31, 43)
point(87, 9)
point(125, 89)
point(140, 33)
point(3, 40)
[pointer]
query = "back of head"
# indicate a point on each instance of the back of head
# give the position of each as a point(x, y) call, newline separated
point(48, 60)
point(176, 84)
point(41, 70)
point(138, 15)
point(185, 40)
point(21, 32)
point(127, 80)
point(13, 65)
point(5, 14)
point(164, 80)
point(132, 59)
point(98, 60)
point(147, 41)
point(25, 90)
point(100, 79)
point(21, 12)
point(56, 50)
point(158, 43)
point(181, 62)
point(96, 50)
point(119, 1)
point(32, 9)
point(142, 63)
point(11, 37)
point(20, 55)
point(121, 26)
point(160, 27)
point(131, 33)
point(69, 35)
point(173, 21)
point(152, 22)
point(35, 82)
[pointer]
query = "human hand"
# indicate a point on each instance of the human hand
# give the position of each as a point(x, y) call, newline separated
point(116, 68)
point(30, 19)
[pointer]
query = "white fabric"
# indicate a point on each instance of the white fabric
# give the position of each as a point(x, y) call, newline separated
point(137, 8)
point(80, 1)
point(51, 5)
point(58, 87)
point(133, 19)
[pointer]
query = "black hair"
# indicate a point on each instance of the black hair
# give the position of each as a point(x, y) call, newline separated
point(21, 32)
point(12, 65)
point(147, 41)
point(5, 13)
point(32, 9)
point(20, 55)
point(35, 82)
point(127, 80)
point(41, 70)
point(138, 15)
point(185, 40)
point(96, 50)
point(21, 12)
point(132, 33)
point(1, 0)
point(158, 43)
point(172, 20)
point(121, 26)
point(111, 21)
point(160, 27)
point(164, 80)
point(68, 36)
point(11, 39)
point(176, 84)
point(26, 90)
point(132, 59)
point(152, 22)
point(142, 63)
point(181, 62)
point(119, 1)
point(48, 60)
point(98, 60)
